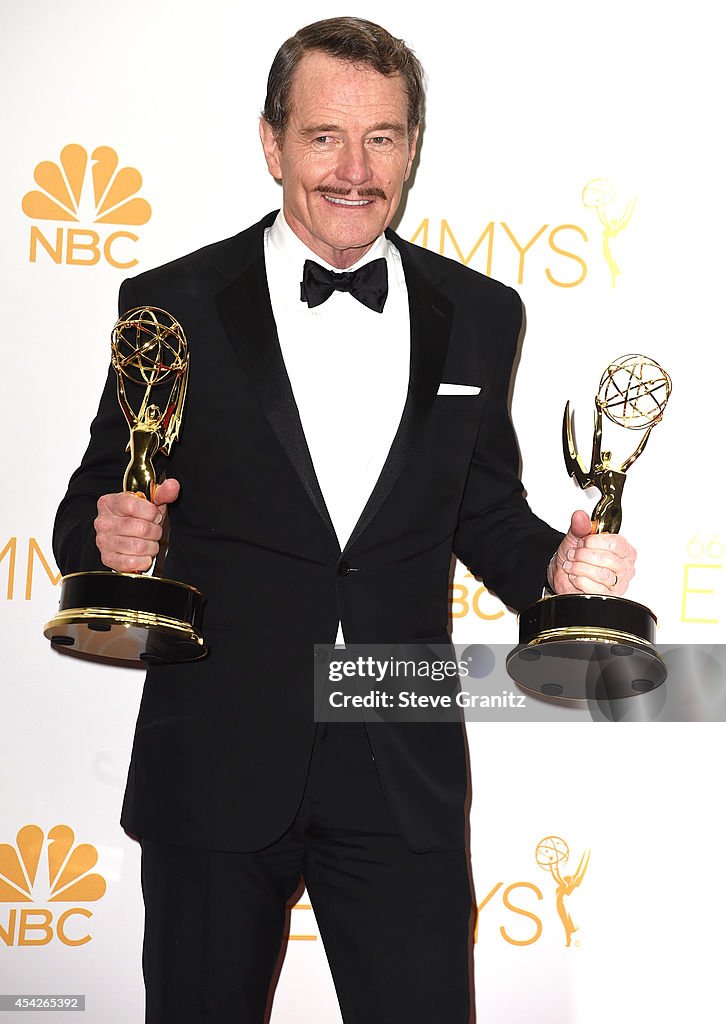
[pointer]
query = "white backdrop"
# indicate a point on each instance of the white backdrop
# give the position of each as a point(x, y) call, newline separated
point(527, 104)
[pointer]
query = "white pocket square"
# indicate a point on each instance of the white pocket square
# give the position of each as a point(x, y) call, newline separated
point(458, 389)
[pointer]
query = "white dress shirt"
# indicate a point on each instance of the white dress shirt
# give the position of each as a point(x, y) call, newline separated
point(348, 367)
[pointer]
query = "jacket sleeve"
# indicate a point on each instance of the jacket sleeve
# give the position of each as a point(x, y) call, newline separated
point(100, 472)
point(498, 536)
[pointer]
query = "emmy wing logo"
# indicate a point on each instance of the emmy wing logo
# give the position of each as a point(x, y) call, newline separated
point(70, 191)
point(47, 869)
point(552, 853)
point(600, 196)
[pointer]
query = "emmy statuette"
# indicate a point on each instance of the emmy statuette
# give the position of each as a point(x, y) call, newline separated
point(130, 616)
point(575, 647)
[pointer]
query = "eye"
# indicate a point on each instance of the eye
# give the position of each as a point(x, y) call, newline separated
point(380, 140)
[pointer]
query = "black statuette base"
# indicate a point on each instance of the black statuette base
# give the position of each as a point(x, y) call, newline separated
point(127, 617)
point(579, 647)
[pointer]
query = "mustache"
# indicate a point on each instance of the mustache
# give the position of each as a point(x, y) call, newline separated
point(345, 193)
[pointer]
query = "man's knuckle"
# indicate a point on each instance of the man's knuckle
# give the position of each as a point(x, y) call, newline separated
point(140, 527)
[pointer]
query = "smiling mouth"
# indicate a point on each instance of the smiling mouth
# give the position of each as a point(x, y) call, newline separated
point(347, 202)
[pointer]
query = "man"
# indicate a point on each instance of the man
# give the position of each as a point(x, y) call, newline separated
point(325, 482)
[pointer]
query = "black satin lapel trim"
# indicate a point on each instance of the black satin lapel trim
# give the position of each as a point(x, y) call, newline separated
point(246, 312)
point(431, 315)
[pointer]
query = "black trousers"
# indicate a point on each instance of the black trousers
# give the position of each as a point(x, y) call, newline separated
point(396, 925)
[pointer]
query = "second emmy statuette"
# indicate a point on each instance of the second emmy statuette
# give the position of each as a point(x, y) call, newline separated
point(130, 616)
point(581, 646)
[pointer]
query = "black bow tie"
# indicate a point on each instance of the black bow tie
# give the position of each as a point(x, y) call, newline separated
point(368, 285)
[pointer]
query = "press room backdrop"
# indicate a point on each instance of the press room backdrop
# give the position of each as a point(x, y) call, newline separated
point(571, 150)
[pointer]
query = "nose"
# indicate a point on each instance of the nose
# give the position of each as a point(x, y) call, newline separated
point(354, 164)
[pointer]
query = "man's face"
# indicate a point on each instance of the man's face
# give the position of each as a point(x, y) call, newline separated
point(344, 156)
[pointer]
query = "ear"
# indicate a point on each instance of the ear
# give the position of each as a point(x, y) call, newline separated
point(411, 152)
point(271, 149)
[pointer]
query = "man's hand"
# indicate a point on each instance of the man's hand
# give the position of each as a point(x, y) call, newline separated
point(591, 563)
point(129, 528)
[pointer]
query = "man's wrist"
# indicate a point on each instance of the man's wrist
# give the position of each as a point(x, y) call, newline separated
point(549, 587)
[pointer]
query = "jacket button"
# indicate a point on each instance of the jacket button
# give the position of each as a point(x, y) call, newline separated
point(343, 568)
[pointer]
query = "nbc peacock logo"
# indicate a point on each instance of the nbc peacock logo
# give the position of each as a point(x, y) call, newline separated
point(71, 191)
point(47, 868)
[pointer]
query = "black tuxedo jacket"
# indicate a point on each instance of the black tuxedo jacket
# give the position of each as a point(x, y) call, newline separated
point(222, 746)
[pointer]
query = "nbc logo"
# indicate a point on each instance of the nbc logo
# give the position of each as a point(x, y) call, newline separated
point(108, 195)
point(47, 869)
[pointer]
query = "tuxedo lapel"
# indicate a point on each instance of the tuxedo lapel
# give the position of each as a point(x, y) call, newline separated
point(246, 313)
point(431, 315)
